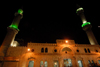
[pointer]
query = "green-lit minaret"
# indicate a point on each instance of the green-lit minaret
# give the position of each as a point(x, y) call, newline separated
point(18, 17)
point(86, 26)
point(12, 30)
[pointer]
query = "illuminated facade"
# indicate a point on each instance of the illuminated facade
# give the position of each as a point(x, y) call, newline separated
point(63, 53)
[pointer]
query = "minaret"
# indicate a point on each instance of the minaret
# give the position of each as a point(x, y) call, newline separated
point(86, 26)
point(12, 30)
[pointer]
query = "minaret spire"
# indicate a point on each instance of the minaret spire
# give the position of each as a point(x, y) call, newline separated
point(86, 26)
point(12, 30)
point(16, 20)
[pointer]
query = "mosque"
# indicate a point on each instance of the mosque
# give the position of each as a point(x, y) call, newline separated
point(63, 53)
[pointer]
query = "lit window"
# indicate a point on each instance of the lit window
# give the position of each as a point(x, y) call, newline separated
point(85, 50)
point(80, 63)
point(92, 61)
point(89, 61)
point(41, 64)
point(67, 63)
point(99, 61)
point(31, 64)
point(45, 64)
point(46, 50)
point(42, 50)
point(56, 64)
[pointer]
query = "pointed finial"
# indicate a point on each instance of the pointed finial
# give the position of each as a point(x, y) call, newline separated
point(20, 11)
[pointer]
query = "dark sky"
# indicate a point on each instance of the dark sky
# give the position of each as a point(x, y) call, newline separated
point(47, 21)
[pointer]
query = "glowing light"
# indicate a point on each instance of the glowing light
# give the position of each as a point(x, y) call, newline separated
point(98, 26)
point(20, 11)
point(84, 24)
point(28, 49)
point(55, 63)
point(14, 44)
point(84, 21)
point(14, 27)
point(79, 9)
point(66, 41)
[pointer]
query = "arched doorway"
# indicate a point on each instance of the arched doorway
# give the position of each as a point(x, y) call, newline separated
point(31, 64)
point(67, 60)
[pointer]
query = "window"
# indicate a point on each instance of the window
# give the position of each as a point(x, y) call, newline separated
point(41, 64)
point(99, 61)
point(55, 50)
point(67, 63)
point(56, 64)
point(85, 50)
point(96, 50)
point(45, 64)
point(66, 52)
point(32, 50)
point(42, 50)
point(77, 50)
point(80, 63)
point(89, 50)
point(31, 64)
point(92, 61)
point(89, 62)
point(46, 50)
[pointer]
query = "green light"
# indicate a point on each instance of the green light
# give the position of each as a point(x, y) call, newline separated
point(79, 9)
point(84, 24)
point(20, 11)
point(14, 27)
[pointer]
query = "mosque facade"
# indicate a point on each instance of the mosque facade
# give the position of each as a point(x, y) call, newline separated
point(63, 53)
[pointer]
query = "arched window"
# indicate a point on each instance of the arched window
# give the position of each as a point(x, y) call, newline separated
point(89, 62)
point(88, 50)
point(41, 64)
point(42, 50)
point(99, 61)
point(92, 61)
point(45, 64)
point(85, 50)
point(46, 50)
point(31, 64)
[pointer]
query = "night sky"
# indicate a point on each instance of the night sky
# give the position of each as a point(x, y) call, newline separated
point(47, 21)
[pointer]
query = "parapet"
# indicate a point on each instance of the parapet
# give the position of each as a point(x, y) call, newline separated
point(62, 41)
point(41, 44)
point(58, 41)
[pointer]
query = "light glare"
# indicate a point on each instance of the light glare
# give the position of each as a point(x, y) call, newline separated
point(66, 41)
point(28, 49)
point(84, 21)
